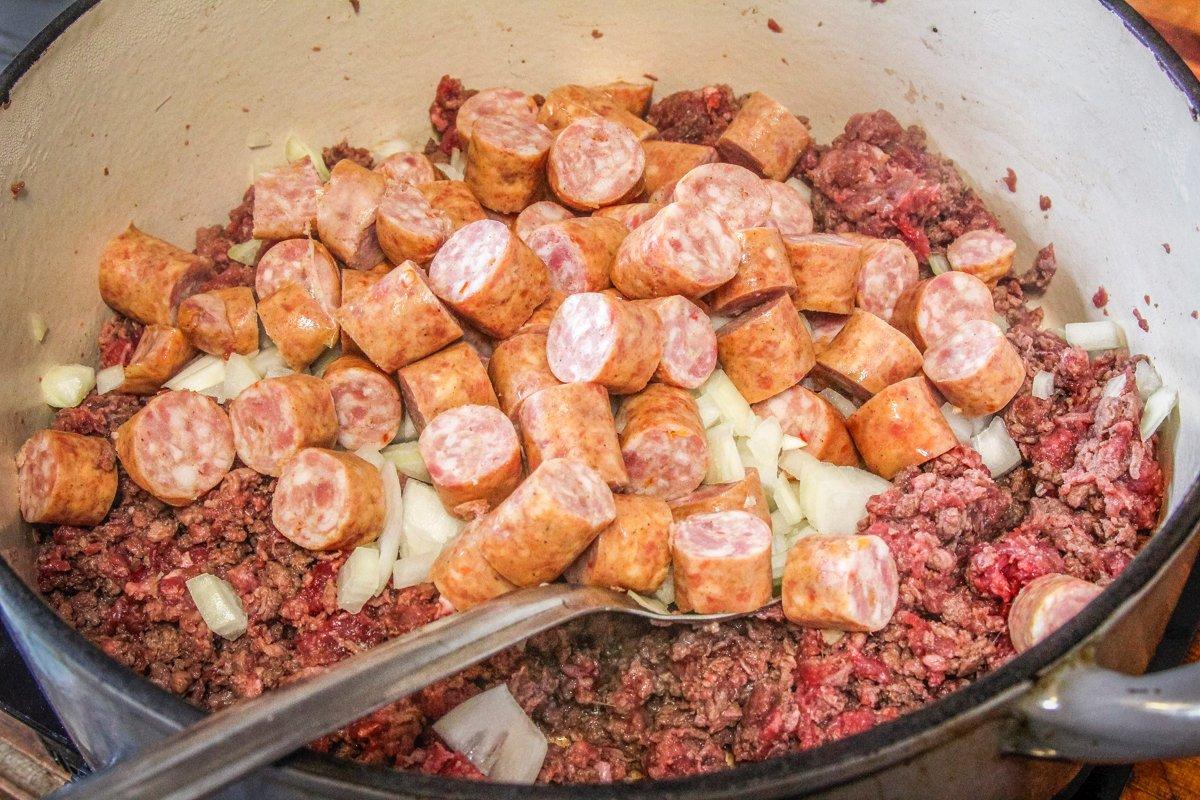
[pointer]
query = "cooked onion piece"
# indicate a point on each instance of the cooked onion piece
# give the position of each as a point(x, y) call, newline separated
point(66, 385)
point(218, 604)
point(495, 735)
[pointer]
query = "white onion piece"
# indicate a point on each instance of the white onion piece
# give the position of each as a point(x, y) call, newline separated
point(666, 593)
point(323, 361)
point(239, 375)
point(779, 551)
point(358, 579)
point(733, 407)
point(393, 522)
point(717, 321)
point(219, 605)
point(495, 735)
point(791, 443)
point(66, 385)
point(797, 463)
point(294, 149)
point(37, 327)
point(1043, 385)
point(997, 449)
point(266, 359)
point(651, 604)
point(938, 263)
point(427, 524)
point(766, 442)
point(258, 139)
point(245, 252)
point(414, 569)
point(960, 424)
point(408, 430)
point(835, 498)
point(724, 461)
point(1147, 378)
point(407, 458)
point(786, 501)
point(458, 160)
point(1159, 405)
point(109, 378)
point(451, 171)
point(1114, 386)
point(390, 147)
point(1093, 336)
point(201, 374)
point(839, 401)
point(371, 455)
point(800, 186)
point(709, 413)
point(831, 636)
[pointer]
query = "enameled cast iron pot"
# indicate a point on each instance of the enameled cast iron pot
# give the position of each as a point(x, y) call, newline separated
point(142, 109)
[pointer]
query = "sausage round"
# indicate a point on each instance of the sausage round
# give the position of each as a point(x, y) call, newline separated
point(683, 249)
point(278, 417)
point(473, 457)
point(506, 159)
point(346, 214)
point(220, 322)
point(899, 427)
point(847, 583)
point(689, 351)
point(497, 101)
point(354, 283)
point(518, 369)
point(412, 168)
point(763, 273)
point(547, 522)
point(463, 576)
point(764, 137)
point(868, 354)
point(326, 500)
point(976, 368)
point(810, 417)
point(408, 226)
point(161, 352)
point(594, 163)
point(631, 215)
point(568, 104)
point(452, 377)
point(303, 261)
point(986, 254)
point(177, 447)
point(765, 350)
point(888, 269)
point(825, 267)
point(146, 279)
point(1044, 605)
point(733, 193)
point(366, 401)
point(65, 478)
point(667, 162)
point(722, 562)
point(578, 253)
point(398, 320)
point(662, 441)
point(790, 213)
point(539, 321)
point(300, 328)
point(455, 200)
point(634, 552)
point(633, 97)
point(824, 327)
point(573, 420)
point(538, 214)
point(744, 495)
point(602, 339)
point(488, 275)
point(935, 307)
point(285, 201)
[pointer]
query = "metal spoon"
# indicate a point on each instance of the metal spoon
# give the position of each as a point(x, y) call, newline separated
point(235, 741)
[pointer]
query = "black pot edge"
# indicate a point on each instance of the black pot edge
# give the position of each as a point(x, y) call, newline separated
point(801, 772)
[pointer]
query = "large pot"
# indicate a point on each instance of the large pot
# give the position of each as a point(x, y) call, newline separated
point(142, 108)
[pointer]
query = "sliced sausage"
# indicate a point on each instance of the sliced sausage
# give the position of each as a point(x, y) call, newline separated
point(764, 137)
point(573, 420)
point(346, 214)
point(366, 401)
point(744, 495)
point(488, 275)
point(411, 168)
point(936, 307)
point(847, 583)
point(285, 201)
point(868, 354)
point(568, 104)
point(631, 215)
point(497, 101)
point(986, 254)
point(1044, 605)
point(667, 162)
point(455, 200)
point(578, 253)
point(683, 249)
point(65, 478)
point(765, 350)
point(146, 279)
point(633, 97)
point(790, 212)
point(733, 193)
point(824, 327)
point(463, 576)
point(976, 368)
point(303, 261)
point(825, 267)
point(220, 322)
point(409, 228)
point(764, 272)
point(662, 441)
point(300, 328)
point(177, 447)
point(595, 163)
point(602, 339)
point(473, 457)
point(899, 427)
point(534, 216)
point(518, 368)
point(161, 352)
point(689, 349)
point(326, 500)
point(722, 562)
point(398, 320)
point(547, 522)
point(810, 417)
point(506, 159)
point(276, 418)
point(888, 268)
point(447, 379)
point(354, 283)
point(634, 552)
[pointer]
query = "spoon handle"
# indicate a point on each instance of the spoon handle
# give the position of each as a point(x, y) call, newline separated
point(233, 742)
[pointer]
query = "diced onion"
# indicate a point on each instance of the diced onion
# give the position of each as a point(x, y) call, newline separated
point(492, 732)
point(831, 636)
point(371, 455)
point(390, 147)
point(357, 579)
point(733, 407)
point(1114, 386)
point(787, 502)
point(709, 413)
point(218, 604)
point(268, 359)
point(37, 327)
point(797, 463)
point(452, 171)
point(791, 443)
point(1158, 407)
point(1092, 336)
point(323, 361)
point(724, 462)
point(652, 604)
point(427, 524)
point(997, 449)
point(938, 263)
point(393, 523)
point(408, 429)
point(717, 321)
point(764, 445)
point(666, 593)
point(1043, 385)
point(66, 385)
point(835, 498)
point(239, 375)
point(109, 378)
point(779, 550)
point(256, 140)
point(1147, 378)
point(960, 424)
point(414, 569)
point(199, 375)
point(294, 150)
point(407, 458)
point(839, 401)
point(800, 186)
point(245, 252)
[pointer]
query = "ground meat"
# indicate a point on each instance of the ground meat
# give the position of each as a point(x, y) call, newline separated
point(1009, 292)
point(880, 179)
point(443, 111)
point(698, 116)
point(98, 414)
point(343, 150)
point(117, 340)
point(213, 242)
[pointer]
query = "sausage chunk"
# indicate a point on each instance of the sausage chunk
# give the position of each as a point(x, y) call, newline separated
point(573, 420)
point(744, 495)
point(578, 253)
point(722, 562)
point(161, 352)
point(463, 576)
point(326, 500)
point(847, 583)
point(366, 401)
point(766, 350)
point(146, 279)
point(899, 427)
point(634, 552)
point(764, 273)
point(684, 249)
point(1044, 605)
point(976, 368)
point(285, 200)
point(810, 417)
point(346, 214)
point(278, 417)
point(764, 137)
point(473, 458)
point(449, 378)
point(518, 368)
point(595, 163)
point(662, 441)
point(689, 350)
point(221, 322)
point(868, 355)
point(65, 478)
point(602, 339)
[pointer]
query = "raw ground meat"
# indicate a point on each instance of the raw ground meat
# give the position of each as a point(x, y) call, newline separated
point(1009, 292)
point(448, 98)
point(117, 340)
point(698, 116)
point(213, 242)
point(343, 150)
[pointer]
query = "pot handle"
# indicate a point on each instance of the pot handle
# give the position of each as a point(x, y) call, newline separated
point(1084, 712)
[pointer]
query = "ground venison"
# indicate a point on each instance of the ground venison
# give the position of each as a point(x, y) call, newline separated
point(443, 111)
point(118, 338)
point(343, 150)
point(697, 116)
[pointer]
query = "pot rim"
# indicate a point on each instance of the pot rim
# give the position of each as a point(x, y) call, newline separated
point(805, 771)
